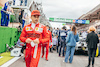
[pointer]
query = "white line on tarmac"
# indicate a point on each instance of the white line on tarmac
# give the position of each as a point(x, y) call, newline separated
point(10, 62)
point(1, 57)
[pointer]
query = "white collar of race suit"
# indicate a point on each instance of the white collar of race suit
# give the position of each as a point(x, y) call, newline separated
point(33, 25)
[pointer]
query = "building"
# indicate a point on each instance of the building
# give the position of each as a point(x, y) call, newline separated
point(28, 8)
point(94, 17)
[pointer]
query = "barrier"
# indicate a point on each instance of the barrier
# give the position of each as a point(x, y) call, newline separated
point(8, 36)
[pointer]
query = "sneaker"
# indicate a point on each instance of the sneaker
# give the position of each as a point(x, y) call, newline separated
point(51, 51)
point(70, 62)
point(24, 59)
point(42, 56)
point(92, 65)
point(59, 56)
point(88, 66)
point(63, 56)
point(63, 61)
point(46, 59)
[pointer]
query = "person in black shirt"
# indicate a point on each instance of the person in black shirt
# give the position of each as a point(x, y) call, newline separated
point(92, 41)
point(21, 16)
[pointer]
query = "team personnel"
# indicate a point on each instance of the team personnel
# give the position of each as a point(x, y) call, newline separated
point(4, 16)
point(33, 35)
point(54, 32)
point(49, 35)
point(58, 36)
point(63, 34)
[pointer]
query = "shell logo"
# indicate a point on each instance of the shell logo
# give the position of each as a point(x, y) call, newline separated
point(73, 21)
point(27, 28)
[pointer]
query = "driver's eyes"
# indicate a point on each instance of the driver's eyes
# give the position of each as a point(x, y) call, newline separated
point(36, 16)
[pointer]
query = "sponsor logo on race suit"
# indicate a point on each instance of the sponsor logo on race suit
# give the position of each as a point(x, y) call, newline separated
point(28, 29)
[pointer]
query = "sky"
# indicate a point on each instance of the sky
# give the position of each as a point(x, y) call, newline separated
point(70, 9)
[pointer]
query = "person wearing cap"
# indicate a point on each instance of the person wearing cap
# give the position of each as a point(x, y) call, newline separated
point(4, 16)
point(49, 35)
point(33, 35)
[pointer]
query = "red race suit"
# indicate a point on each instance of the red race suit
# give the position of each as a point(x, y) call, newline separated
point(49, 36)
point(38, 32)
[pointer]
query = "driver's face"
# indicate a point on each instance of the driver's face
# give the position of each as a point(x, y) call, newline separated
point(35, 18)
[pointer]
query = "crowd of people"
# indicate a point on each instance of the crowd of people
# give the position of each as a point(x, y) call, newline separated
point(5, 18)
point(66, 38)
point(38, 37)
point(70, 39)
point(7, 14)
